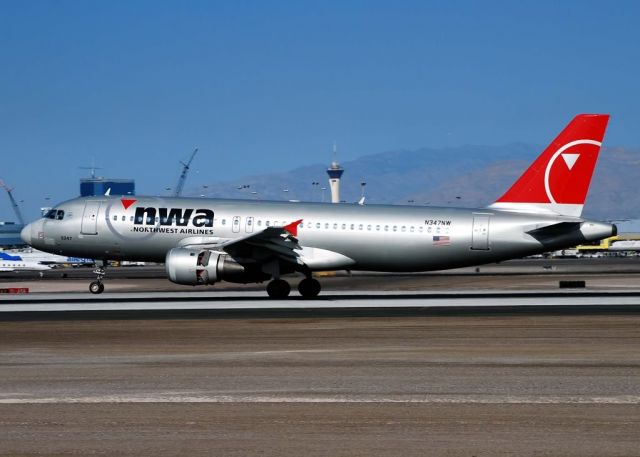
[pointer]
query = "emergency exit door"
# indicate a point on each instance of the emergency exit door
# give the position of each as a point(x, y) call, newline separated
point(235, 225)
point(90, 218)
point(480, 233)
point(248, 224)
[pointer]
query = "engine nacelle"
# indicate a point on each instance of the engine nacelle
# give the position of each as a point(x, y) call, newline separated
point(201, 266)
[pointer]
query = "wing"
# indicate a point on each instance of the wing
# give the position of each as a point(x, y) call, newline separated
point(268, 244)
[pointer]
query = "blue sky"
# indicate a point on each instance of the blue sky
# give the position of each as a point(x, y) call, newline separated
point(267, 86)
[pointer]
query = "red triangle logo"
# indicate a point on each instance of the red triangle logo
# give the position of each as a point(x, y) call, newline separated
point(127, 202)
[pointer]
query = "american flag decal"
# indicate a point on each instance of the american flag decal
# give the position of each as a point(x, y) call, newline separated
point(439, 240)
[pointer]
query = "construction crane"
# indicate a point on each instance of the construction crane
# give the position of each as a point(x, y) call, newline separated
point(183, 175)
point(16, 208)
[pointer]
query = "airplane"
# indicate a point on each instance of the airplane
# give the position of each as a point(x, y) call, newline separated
point(10, 262)
point(202, 241)
point(45, 258)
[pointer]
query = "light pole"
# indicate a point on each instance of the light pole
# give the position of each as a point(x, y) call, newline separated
point(323, 189)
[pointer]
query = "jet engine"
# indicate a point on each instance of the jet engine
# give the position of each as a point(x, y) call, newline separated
point(195, 267)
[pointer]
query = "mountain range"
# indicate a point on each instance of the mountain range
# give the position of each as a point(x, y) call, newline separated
point(465, 176)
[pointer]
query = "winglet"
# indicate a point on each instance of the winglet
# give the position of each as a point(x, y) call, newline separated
point(293, 227)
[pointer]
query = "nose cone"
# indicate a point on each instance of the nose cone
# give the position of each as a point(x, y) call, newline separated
point(25, 234)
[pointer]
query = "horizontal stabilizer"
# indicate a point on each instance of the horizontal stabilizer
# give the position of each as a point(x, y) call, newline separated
point(559, 235)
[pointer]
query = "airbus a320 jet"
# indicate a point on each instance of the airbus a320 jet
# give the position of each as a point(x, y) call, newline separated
point(202, 241)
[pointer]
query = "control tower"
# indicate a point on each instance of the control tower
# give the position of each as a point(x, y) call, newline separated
point(335, 172)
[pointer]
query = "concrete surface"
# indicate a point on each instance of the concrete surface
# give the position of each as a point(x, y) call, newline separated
point(457, 385)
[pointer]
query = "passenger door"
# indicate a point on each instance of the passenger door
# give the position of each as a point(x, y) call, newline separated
point(89, 224)
point(480, 233)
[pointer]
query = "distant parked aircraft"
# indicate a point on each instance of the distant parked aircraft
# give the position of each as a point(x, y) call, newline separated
point(10, 262)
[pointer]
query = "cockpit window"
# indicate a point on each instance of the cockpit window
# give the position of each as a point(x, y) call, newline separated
point(57, 214)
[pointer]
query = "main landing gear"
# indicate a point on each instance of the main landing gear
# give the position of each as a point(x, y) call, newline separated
point(96, 287)
point(279, 288)
point(309, 287)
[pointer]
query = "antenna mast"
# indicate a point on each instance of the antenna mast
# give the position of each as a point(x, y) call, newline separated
point(93, 168)
point(183, 175)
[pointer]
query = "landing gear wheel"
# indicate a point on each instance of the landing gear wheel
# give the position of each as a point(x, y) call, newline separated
point(309, 288)
point(96, 287)
point(278, 288)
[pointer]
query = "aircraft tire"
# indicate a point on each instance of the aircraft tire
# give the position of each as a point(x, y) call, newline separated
point(96, 287)
point(278, 288)
point(309, 288)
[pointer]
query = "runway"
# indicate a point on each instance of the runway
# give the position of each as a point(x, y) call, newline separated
point(463, 364)
point(337, 303)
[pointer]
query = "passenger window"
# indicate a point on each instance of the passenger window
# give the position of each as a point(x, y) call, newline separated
point(378, 228)
point(318, 225)
point(131, 218)
point(115, 218)
point(326, 226)
point(395, 228)
point(404, 228)
point(360, 227)
point(386, 228)
point(259, 222)
point(149, 220)
point(344, 226)
point(335, 226)
point(420, 229)
point(412, 228)
point(368, 227)
point(224, 222)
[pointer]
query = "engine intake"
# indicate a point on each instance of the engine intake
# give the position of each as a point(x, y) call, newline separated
point(195, 267)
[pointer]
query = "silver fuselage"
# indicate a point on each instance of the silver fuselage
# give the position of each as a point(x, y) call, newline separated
point(369, 237)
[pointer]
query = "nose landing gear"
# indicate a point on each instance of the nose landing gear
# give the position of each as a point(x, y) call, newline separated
point(96, 287)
